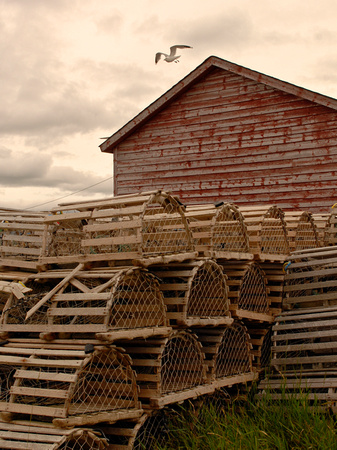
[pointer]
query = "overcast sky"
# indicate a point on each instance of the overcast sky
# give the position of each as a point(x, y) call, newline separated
point(74, 71)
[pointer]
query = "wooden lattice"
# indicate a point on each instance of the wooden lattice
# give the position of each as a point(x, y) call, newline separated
point(301, 230)
point(69, 387)
point(228, 354)
point(127, 301)
point(168, 370)
point(319, 388)
point(219, 231)
point(267, 232)
point(195, 293)
point(305, 340)
point(311, 278)
point(36, 436)
point(143, 227)
point(21, 235)
point(248, 291)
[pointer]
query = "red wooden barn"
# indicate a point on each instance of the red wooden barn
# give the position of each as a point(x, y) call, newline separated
point(225, 132)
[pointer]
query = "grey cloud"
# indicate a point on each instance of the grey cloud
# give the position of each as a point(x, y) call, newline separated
point(37, 170)
point(219, 31)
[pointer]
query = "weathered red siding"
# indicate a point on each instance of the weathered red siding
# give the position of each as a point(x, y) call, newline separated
point(234, 139)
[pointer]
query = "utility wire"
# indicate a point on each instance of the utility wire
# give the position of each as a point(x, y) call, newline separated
point(68, 195)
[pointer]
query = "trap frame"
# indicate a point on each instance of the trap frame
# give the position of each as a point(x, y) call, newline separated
point(248, 291)
point(21, 236)
point(219, 231)
point(127, 303)
point(145, 228)
point(168, 370)
point(227, 354)
point(310, 279)
point(195, 293)
point(267, 232)
point(67, 387)
point(36, 436)
point(330, 229)
point(301, 230)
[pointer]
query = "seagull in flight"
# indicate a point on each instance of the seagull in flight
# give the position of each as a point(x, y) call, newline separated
point(172, 56)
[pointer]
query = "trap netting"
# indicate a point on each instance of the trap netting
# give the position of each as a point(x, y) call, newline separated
point(195, 293)
point(36, 436)
point(63, 385)
point(20, 238)
point(310, 279)
point(227, 351)
point(130, 227)
point(166, 366)
point(301, 230)
point(267, 232)
point(247, 287)
point(219, 231)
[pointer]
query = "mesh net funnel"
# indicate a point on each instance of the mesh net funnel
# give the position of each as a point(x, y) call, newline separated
point(195, 293)
point(219, 231)
point(63, 384)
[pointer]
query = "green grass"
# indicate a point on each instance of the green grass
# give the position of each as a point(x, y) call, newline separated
point(262, 424)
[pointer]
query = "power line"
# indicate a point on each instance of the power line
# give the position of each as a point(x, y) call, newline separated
point(68, 195)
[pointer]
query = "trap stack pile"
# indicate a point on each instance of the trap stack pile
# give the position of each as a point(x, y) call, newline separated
point(132, 304)
point(305, 335)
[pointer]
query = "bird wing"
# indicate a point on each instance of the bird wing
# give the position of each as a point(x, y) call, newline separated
point(158, 56)
point(174, 48)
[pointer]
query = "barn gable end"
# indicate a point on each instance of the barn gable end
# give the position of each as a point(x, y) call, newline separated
point(228, 133)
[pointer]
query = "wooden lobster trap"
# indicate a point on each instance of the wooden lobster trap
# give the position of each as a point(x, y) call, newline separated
point(310, 279)
point(321, 221)
point(195, 293)
point(219, 231)
point(227, 354)
point(147, 228)
point(67, 387)
point(330, 229)
point(301, 230)
point(248, 291)
point(148, 432)
point(37, 436)
point(267, 232)
point(21, 235)
point(319, 388)
point(168, 370)
point(127, 304)
point(305, 340)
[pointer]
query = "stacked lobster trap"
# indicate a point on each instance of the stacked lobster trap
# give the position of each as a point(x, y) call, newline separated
point(133, 304)
point(304, 352)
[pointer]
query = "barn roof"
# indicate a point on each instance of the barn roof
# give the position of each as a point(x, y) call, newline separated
point(211, 62)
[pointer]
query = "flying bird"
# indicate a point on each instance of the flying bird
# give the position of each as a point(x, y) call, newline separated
point(172, 56)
